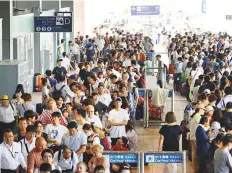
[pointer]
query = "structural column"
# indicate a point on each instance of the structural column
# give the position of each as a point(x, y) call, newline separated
point(6, 12)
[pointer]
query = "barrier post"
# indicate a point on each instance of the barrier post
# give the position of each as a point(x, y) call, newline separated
point(173, 95)
point(156, 158)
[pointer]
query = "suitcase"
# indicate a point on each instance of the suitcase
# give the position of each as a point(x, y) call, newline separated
point(183, 90)
point(155, 112)
point(171, 69)
point(37, 82)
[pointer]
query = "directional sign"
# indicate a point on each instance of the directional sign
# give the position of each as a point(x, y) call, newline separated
point(145, 10)
point(228, 17)
point(53, 24)
point(163, 158)
point(122, 157)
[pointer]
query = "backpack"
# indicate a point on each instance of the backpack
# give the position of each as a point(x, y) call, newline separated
point(57, 93)
point(39, 108)
point(59, 155)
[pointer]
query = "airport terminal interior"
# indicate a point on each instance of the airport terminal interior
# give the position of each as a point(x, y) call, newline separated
point(116, 86)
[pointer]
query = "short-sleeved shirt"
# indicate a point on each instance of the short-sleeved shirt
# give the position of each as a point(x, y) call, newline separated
point(118, 116)
point(34, 159)
point(171, 137)
point(56, 132)
point(222, 161)
point(75, 142)
point(59, 71)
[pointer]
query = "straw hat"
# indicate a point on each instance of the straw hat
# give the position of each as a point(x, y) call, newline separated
point(4, 98)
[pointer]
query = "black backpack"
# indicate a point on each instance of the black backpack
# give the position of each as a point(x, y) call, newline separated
point(57, 93)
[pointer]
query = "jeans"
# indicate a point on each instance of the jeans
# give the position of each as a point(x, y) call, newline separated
point(132, 117)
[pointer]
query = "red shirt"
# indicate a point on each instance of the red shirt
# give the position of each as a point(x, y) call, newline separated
point(117, 148)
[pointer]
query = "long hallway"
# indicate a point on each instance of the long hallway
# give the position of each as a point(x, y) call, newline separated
point(149, 137)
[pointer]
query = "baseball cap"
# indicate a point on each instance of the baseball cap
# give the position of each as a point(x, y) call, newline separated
point(207, 91)
point(59, 60)
point(118, 99)
point(73, 76)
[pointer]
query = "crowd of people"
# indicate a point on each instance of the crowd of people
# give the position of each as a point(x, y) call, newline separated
point(88, 105)
point(201, 67)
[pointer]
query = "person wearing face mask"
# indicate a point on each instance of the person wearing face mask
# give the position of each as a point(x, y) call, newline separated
point(98, 159)
point(222, 156)
point(92, 139)
point(7, 116)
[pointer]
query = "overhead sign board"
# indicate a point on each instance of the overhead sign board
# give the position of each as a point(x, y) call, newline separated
point(145, 10)
point(122, 157)
point(163, 158)
point(228, 17)
point(53, 24)
point(203, 6)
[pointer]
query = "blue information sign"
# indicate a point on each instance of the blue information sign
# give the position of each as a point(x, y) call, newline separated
point(122, 157)
point(53, 24)
point(145, 10)
point(163, 158)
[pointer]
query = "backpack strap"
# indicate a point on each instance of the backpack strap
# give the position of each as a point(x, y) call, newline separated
point(223, 102)
point(26, 145)
point(82, 99)
point(59, 155)
point(12, 106)
point(23, 107)
point(62, 88)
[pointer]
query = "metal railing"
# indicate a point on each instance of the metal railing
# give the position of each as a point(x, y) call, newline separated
point(145, 94)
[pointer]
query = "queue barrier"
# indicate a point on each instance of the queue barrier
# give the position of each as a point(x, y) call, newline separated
point(132, 158)
point(150, 161)
point(147, 95)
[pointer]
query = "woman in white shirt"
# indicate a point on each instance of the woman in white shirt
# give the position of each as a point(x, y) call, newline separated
point(215, 125)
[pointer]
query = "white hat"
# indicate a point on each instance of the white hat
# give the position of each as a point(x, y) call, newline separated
point(207, 91)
